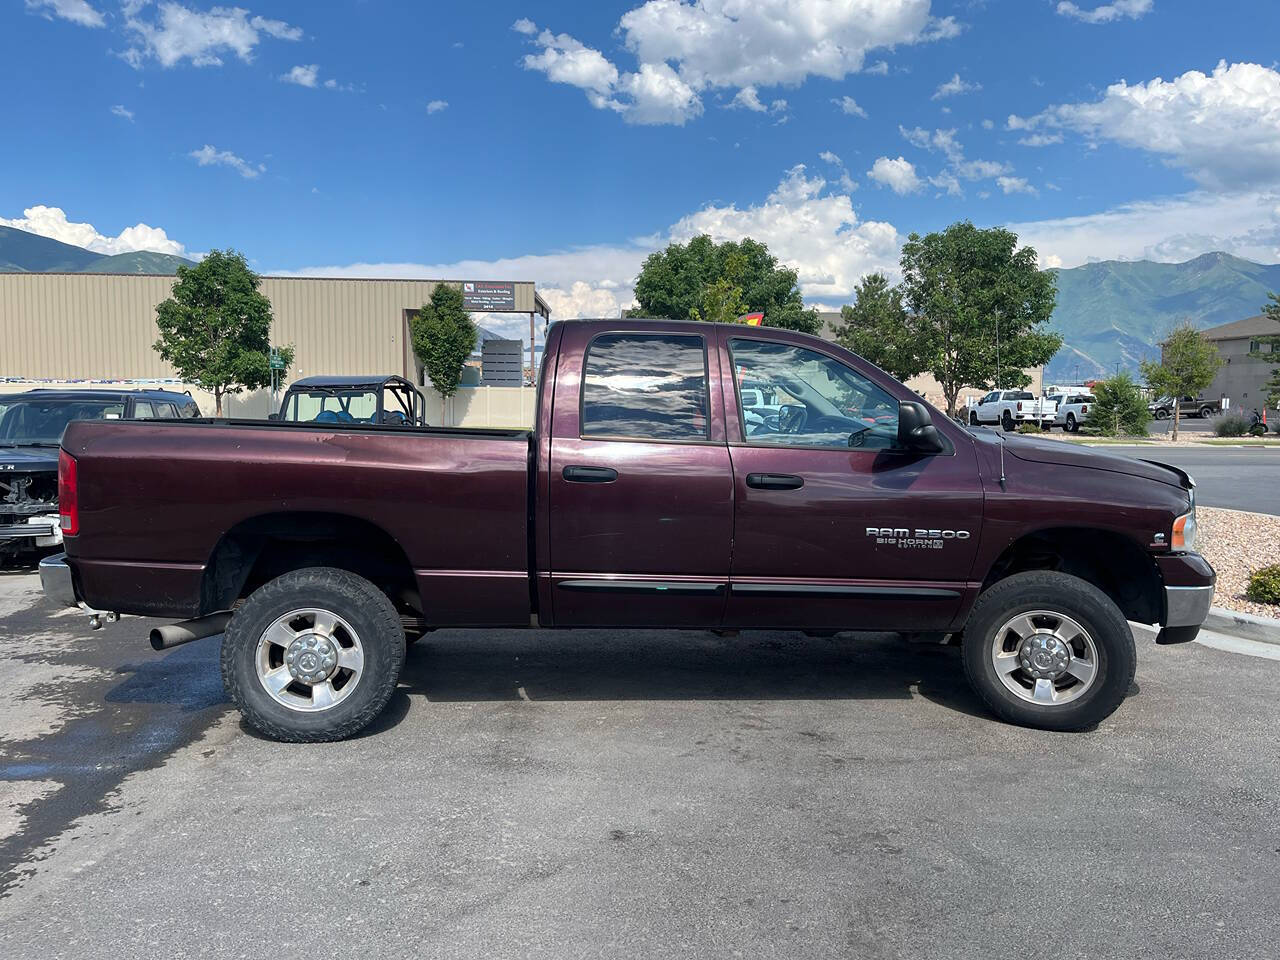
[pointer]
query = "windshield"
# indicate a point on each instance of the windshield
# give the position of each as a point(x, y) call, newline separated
point(332, 406)
point(29, 422)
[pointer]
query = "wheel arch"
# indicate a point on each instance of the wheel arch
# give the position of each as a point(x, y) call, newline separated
point(263, 547)
point(1112, 561)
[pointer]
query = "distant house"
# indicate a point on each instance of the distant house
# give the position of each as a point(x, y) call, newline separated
point(1246, 362)
point(925, 385)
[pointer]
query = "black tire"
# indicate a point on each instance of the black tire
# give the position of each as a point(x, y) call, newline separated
point(1084, 603)
point(973, 419)
point(1161, 413)
point(1006, 421)
point(369, 612)
point(1206, 413)
point(1072, 426)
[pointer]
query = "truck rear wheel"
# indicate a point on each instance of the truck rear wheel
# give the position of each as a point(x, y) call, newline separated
point(1049, 650)
point(1006, 421)
point(313, 656)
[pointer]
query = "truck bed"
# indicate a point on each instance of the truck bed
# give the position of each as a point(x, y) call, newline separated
point(172, 507)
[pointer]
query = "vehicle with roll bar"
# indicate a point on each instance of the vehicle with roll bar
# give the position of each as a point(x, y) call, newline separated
point(645, 496)
point(353, 399)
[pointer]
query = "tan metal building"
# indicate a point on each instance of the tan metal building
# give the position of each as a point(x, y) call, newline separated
point(63, 326)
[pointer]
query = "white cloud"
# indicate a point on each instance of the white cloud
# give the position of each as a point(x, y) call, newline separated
point(898, 175)
point(211, 156)
point(1133, 9)
point(686, 48)
point(435, 106)
point(119, 111)
point(52, 222)
point(954, 88)
point(959, 167)
point(1040, 139)
point(849, 106)
point(1015, 185)
point(1170, 230)
point(988, 125)
point(828, 156)
point(304, 76)
point(1223, 128)
point(76, 11)
point(804, 224)
point(878, 69)
point(179, 33)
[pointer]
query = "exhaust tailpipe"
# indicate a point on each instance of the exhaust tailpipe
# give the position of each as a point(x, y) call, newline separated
point(176, 634)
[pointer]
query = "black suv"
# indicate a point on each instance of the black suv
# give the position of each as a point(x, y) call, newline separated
point(31, 426)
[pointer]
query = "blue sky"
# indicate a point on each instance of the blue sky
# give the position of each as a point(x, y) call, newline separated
point(561, 142)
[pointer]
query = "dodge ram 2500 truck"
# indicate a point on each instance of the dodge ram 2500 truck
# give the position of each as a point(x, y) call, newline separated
point(643, 497)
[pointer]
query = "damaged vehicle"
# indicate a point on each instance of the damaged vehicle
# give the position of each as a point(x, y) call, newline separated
point(31, 426)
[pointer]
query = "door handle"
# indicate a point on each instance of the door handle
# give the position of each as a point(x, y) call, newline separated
point(774, 481)
point(577, 474)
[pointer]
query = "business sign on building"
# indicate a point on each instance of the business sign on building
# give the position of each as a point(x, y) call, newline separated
point(486, 296)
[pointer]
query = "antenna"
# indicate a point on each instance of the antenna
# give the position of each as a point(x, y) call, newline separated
point(998, 387)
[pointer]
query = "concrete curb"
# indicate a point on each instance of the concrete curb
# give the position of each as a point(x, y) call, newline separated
point(1243, 625)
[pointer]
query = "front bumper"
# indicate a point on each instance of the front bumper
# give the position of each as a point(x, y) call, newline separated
point(1187, 606)
point(56, 581)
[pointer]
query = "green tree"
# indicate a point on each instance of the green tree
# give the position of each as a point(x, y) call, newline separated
point(698, 280)
point(979, 305)
point(877, 327)
point(443, 337)
point(1272, 386)
point(1188, 363)
point(215, 328)
point(1119, 409)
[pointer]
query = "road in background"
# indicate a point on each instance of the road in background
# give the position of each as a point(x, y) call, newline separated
point(1241, 478)
point(654, 794)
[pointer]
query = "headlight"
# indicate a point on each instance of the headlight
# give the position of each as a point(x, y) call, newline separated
point(1184, 531)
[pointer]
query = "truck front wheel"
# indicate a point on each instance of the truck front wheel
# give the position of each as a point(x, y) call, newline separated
point(312, 656)
point(1049, 650)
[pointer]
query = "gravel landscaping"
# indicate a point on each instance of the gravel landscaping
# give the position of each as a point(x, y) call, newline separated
point(1237, 543)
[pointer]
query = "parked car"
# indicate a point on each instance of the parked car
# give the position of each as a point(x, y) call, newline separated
point(1012, 407)
point(644, 497)
point(353, 399)
point(1161, 408)
point(31, 426)
point(1073, 410)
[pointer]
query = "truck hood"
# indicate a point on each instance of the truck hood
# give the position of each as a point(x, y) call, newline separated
point(1069, 455)
point(28, 459)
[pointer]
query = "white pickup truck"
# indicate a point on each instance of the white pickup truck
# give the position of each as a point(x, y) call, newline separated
point(1012, 407)
point(1073, 410)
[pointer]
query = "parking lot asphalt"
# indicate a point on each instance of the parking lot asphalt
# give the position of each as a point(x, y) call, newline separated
point(657, 794)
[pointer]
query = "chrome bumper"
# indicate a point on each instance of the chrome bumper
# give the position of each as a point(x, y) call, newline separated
point(56, 582)
point(1187, 606)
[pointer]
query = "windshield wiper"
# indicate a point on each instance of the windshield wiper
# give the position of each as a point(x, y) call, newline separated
point(31, 443)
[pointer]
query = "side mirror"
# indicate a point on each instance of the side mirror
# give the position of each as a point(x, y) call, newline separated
point(916, 432)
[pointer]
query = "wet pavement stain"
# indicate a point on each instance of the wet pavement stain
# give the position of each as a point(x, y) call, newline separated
point(132, 715)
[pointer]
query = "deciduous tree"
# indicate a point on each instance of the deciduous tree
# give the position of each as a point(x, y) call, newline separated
point(215, 328)
point(979, 306)
point(703, 280)
point(877, 326)
point(1119, 409)
point(1187, 364)
point(443, 337)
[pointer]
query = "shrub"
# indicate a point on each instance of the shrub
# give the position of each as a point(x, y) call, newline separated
point(1119, 409)
point(1029, 428)
point(1232, 425)
point(1264, 585)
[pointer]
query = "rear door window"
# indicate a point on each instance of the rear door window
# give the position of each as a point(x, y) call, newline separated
point(638, 386)
point(142, 410)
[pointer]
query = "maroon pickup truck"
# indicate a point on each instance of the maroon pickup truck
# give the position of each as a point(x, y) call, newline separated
point(648, 495)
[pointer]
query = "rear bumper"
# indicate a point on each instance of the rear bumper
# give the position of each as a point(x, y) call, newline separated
point(57, 582)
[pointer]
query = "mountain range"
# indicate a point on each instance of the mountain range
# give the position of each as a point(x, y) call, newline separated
point(1110, 313)
point(22, 252)
point(1116, 311)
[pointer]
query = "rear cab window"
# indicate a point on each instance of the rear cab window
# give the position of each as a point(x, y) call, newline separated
point(642, 386)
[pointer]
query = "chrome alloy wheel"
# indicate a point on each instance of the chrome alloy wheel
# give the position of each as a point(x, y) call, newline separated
point(309, 659)
point(1045, 658)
